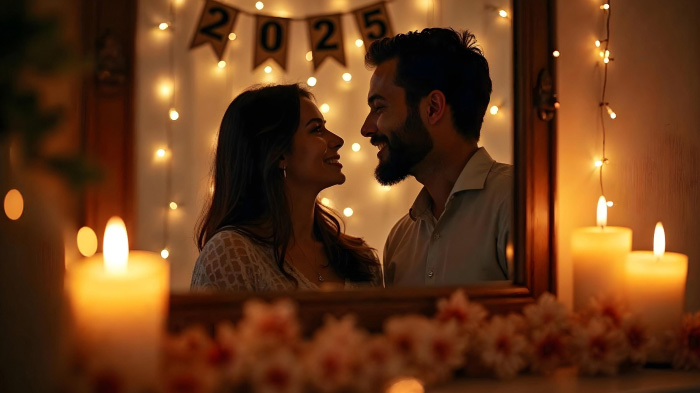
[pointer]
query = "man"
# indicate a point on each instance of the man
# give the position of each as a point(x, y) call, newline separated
point(427, 97)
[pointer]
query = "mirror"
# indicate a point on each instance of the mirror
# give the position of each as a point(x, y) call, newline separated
point(191, 138)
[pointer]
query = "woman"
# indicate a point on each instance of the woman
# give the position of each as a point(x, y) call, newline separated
point(264, 229)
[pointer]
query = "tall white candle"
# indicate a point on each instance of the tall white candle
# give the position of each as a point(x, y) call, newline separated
point(119, 303)
point(598, 255)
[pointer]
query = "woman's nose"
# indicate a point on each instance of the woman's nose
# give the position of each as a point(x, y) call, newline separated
point(336, 141)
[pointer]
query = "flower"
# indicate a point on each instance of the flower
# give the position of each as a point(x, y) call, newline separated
point(687, 355)
point(226, 354)
point(598, 347)
point(378, 363)
point(503, 349)
point(638, 340)
point(267, 326)
point(468, 316)
point(187, 367)
point(278, 371)
point(549, 349)
point(610, 308)
point(547, 312)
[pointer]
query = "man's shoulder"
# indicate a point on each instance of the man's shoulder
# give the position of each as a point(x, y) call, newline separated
point(500, 178)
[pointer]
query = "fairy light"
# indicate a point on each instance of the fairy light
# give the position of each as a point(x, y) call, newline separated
point(597, 43)
point(605, 6)
point(359, 43)
point(611, 113)
point(356, 147)
point(311, 81)
point(174, 114)
point(326, 202)
point(164, 253)
point(598, 163)
point(268, 69)
point(503, 13)
point(348, 212)
point(232, 36)
point(173, 205)
point(325, 108)
point(163, 26)
point(347, 77)
point(493, 110)
point(605, 54)
point(309, 56)
point(609, 203)
point(87, 241)
point(259, 5)
point(222, 64)
point(13, 204)
point(160, 153)
point(386, 188)
point(555, 53)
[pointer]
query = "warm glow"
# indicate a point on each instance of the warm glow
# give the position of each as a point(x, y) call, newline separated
point(116, 246)
point(347, 77)
point(165, 89)
point(309, 56)
point(164, 253)
point(493, 110)
point(14, 204)
point(222, 64)
point(606, 60)
point(311, 81)
point(268, 69)
point(232, 36)
point(348, 212)
point(601, 54)
point(326, 202)
point(555, 53)
point(605, 7)
point(597, 43)
point(386, 188)
point(325, 108)
point(610, 112)
point(659, 240)
point(503, 13)
point(610, 203)
point(259, 5)
point(359, 43)
point(607, 53)
point(87, 241)
point(613, 115)
point(602, 213)
point(163, 26)
point(173, 205)
point(356, 147)
point(598, 163)
point(160, 153)
point(174, 115)
point(408, 385)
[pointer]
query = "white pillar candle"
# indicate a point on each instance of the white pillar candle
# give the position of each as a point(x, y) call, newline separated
point(599, 254)
point(656, 287)
point(119, 302)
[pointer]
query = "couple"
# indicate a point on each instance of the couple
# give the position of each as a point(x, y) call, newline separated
point(265, 230)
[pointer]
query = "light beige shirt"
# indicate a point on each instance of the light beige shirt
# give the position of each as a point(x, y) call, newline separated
point(467, 243)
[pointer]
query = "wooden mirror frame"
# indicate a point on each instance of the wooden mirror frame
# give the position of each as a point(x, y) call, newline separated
point(534, 158)
point(111, 102)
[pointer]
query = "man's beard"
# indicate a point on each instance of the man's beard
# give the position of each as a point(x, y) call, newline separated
point(406, 146)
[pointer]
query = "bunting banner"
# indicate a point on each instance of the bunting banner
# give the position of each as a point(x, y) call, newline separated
point(272, 33)
point(326, 36)
point(215, 24)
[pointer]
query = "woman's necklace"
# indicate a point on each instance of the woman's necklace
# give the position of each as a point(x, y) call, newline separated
point(313, 266)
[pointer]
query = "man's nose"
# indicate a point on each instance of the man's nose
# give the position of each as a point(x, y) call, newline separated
point(369, 127)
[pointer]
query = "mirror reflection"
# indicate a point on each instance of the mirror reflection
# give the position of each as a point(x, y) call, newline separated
point(427, 186)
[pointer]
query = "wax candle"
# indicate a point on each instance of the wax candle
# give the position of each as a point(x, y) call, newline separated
point(599, 254)
point(119, 301)
point(656, 288)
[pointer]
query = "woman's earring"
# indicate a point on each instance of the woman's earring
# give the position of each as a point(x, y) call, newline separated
point(284, 172)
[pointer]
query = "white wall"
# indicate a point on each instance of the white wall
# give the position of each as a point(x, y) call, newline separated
point(654, 87)
point(203, 91)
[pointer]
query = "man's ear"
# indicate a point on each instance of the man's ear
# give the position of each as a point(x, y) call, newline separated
point(436, 105)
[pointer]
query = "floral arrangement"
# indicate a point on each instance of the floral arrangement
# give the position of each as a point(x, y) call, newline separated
point(266, 353)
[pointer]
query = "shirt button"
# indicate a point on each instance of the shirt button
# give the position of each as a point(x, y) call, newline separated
point(430, 274)
point(436, 236)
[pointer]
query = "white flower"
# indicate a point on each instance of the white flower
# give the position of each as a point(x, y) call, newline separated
point(549, 349)
point(547, 312)
point(469, 316)
point(688, 344)
point(503, 350)
point(378, 364)
point(638, 340)
point(186, 363)
point(279, 371)
point(267, 326)
point(598, 347)
point(611, 309)
point(227, 353)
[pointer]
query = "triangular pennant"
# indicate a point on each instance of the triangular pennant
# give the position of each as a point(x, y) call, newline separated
point(271, 35)
point(215, 24)
point(373, 22)
point(326, 36)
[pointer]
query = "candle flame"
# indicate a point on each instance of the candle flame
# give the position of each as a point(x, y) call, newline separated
point(602, 213)
point(116, 246)
point(659, 240)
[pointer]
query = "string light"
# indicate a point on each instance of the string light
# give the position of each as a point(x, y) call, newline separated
point(611, 113)
point(222, 64)
point(597, 43)
point(359, 43)
point(326, 202)
point(325, 108)
point(605, 7)
point(87, 241)
point(309, 56)
point(232, 36)
point(356, 147)
point(605, 53)
point(555, 53)
point(311, 81)
point(609, 203)
point(14, 204)
point(347, 77)
point(348, 212)
point(163, 26)
point(503, 13)
point(173, 205)
point(259, 5)
point(160, 153)
point(164, 253)
point(598, 163)
point(268, 69)
point(386, 188)
point(493, 110)
point(174, 114)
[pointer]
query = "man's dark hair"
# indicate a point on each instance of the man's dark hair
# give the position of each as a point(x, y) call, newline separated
point(440, 59)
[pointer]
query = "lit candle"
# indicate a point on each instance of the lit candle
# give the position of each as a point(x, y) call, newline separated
point(656, 287)
point(598, 255)
point(119, 302)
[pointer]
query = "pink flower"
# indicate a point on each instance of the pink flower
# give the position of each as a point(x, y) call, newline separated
point(378, 364)
point(610, 308)
point(549, 349)
point(468, 316)
point(638, 340)
point(503, 349)
point(267, 326)
point(547, 312)
point(598, 347)
point(279, 371)
point(687, 355)
point(186, 366)
point(226, 354)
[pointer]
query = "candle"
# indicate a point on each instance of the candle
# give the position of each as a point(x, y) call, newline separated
point(599, 254)
point(656, 288)
point(119, 302)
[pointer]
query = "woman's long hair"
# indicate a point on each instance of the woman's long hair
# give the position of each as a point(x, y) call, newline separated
point(256, 131)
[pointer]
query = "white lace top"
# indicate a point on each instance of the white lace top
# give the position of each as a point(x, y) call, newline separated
point(232, 261)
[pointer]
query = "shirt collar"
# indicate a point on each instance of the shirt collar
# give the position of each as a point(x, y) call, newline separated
point(472, 177)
